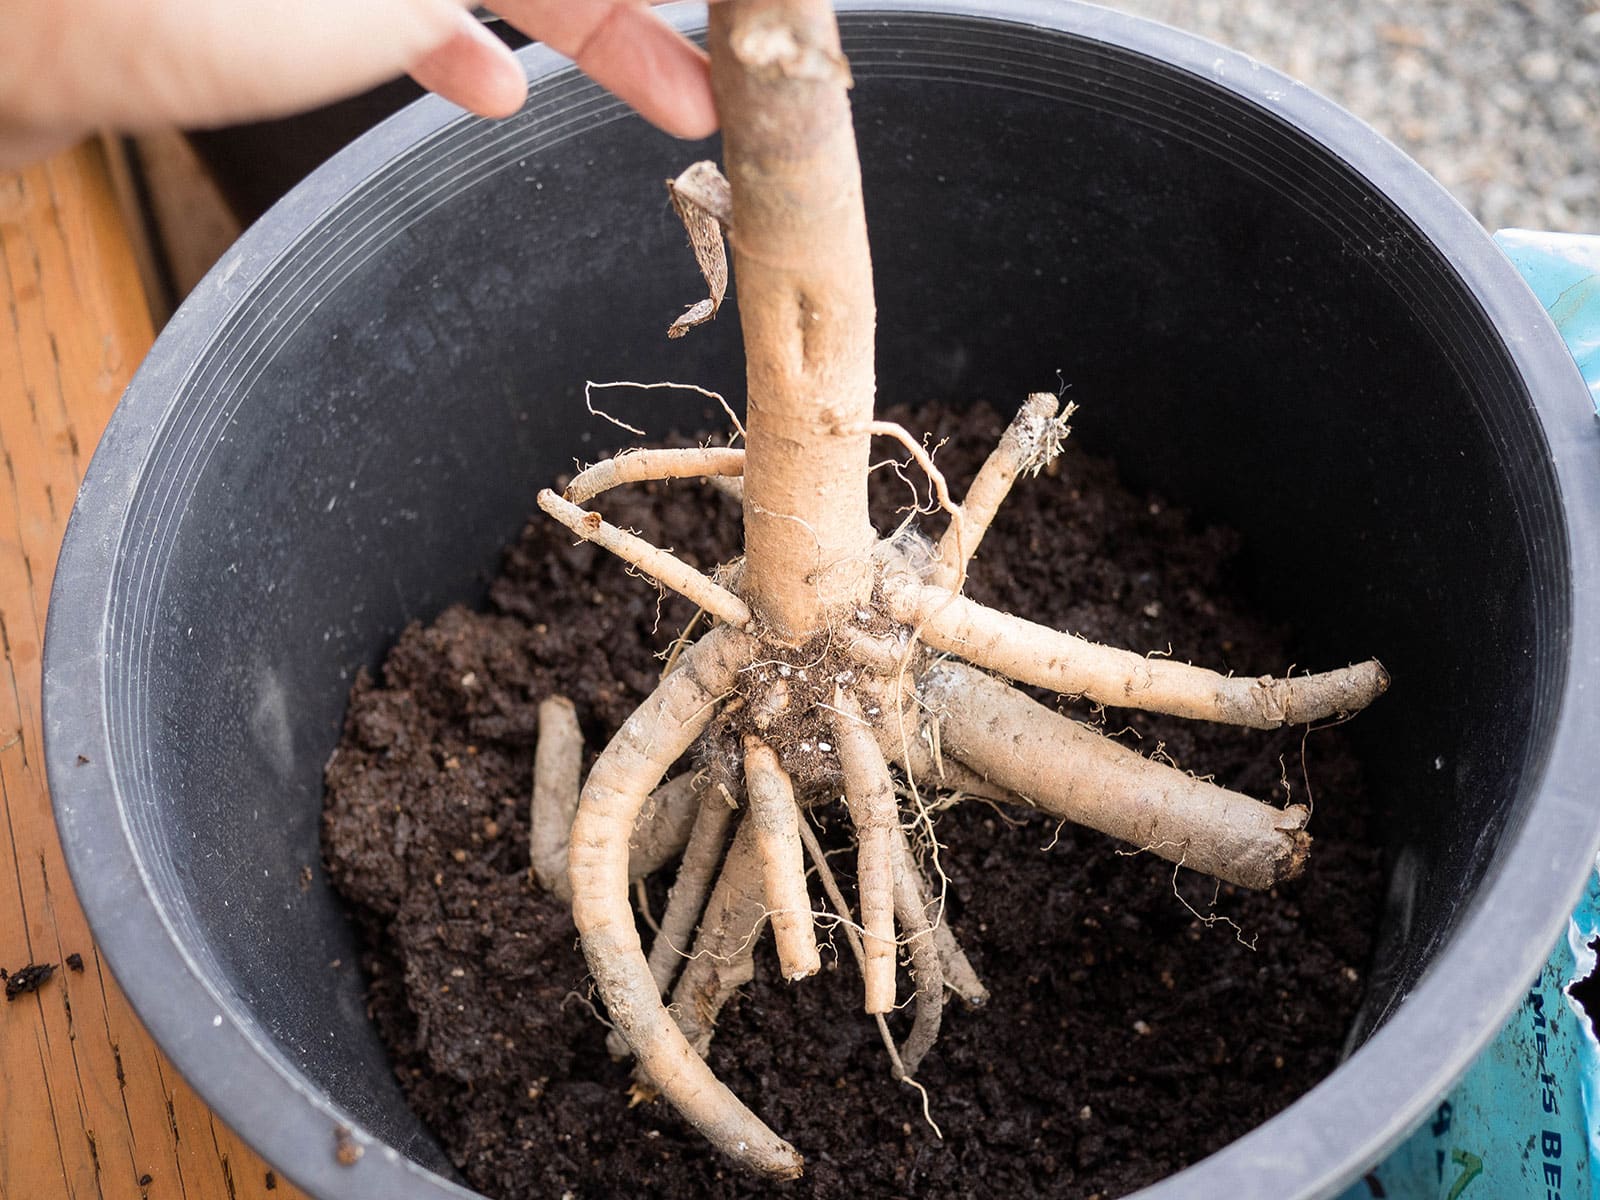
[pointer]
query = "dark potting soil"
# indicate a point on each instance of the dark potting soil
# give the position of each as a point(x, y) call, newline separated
point(1141, 1017)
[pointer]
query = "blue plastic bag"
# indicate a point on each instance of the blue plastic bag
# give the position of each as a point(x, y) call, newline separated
point(1524, 1122)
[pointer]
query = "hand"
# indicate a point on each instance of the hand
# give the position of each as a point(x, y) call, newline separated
point(68, 67)
point(619, 44)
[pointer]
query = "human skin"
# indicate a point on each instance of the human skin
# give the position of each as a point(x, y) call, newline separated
point(68, 67)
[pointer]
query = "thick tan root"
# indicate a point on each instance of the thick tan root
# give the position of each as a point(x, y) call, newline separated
point(1031, 440)
point(908, 749)
point(911, 910)
point(643, 466)
point(1073, 666)
point(687, 899)
point(731, 486)
point(557, 774)
point(649, 742)
point(775, 817)
point(662, 830)
point(911, 753)
point(869, 795)
point(926, 969)
point(702, 855)
point(1067, 769)
point(800, 255)
point(959, 974)
point(661, 565)
point(954, 966)
point(724, 954)
point(659, 834)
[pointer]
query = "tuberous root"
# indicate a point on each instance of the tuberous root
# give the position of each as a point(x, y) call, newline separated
point(1063, 767)
point(649, 466)
point(1031, 653)
point(775, 818)
point(1032, 439)
point(869, 795)
point(557, 773)
point(661, 565)
point(648, 743)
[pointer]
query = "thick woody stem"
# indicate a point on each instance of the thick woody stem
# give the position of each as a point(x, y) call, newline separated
point(775, 817)
point(661, 565)
point(1073, 666)
point(911, 910)
point(724, 954)
point(557, 774)
point(1068, 770)
point(869, 795)
point(643, 466)
point(687, 898)
point(1032, 438)
point(800, 255)
point(664, 824)
point(649, 742)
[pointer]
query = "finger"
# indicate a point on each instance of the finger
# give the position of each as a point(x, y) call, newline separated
point(624, 47)
point(475, 70)
point(239, 60)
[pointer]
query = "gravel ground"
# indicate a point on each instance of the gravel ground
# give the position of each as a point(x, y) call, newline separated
point(1499, 99)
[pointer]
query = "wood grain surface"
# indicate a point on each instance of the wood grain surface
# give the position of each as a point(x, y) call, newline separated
point(88, 1106)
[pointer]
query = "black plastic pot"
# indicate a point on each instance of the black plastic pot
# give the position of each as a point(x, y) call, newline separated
point(1263, 308)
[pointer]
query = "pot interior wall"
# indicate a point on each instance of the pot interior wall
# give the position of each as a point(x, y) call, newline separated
point(1246, 326)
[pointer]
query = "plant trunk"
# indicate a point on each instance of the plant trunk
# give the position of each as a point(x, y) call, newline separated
point(804, 278)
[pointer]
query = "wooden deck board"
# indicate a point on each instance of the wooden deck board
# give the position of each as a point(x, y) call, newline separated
point(89, 1107)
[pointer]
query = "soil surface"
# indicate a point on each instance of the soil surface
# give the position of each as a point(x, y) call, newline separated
point(1140, 1019)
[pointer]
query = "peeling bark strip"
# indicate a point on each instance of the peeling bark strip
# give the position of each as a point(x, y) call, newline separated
point(800, 255)
point(1070, 771)
point(704, 203)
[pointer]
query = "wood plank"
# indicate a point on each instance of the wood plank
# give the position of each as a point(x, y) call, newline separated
point(88, 1105)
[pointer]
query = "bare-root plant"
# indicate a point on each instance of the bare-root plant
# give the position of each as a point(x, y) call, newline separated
point(837, 660)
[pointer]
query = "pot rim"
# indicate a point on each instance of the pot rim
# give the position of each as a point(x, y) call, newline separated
point(1311, 1149)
